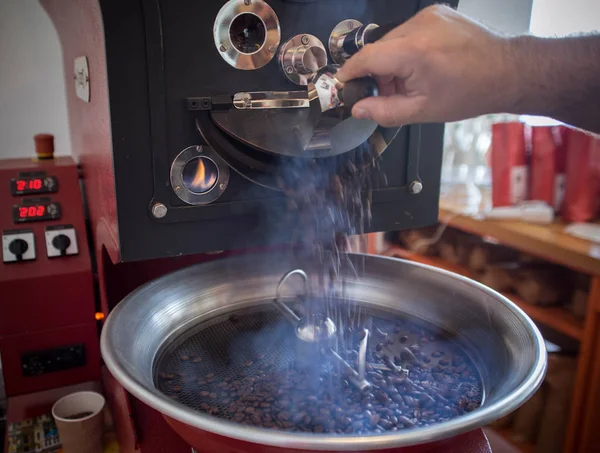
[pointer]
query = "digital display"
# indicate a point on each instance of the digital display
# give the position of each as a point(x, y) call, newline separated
point(29, 185)
point(36, 211)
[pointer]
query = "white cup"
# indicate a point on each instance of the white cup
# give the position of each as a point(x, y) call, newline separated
point(80, 421)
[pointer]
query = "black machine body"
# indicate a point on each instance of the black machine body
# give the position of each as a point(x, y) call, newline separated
point(195, 158)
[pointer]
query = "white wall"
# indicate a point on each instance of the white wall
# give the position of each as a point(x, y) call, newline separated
point(561, 17)
point(508, 16)
point(32, 91)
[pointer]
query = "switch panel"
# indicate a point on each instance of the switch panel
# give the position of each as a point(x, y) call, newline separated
point(18, 245)
point(61, 240)
point(64, 358)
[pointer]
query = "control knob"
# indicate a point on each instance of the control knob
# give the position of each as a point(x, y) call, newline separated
point(61, 242)
point(18, 247)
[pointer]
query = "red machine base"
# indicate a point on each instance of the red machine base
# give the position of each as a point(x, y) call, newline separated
point(473, 442)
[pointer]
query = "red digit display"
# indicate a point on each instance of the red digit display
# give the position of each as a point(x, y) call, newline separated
point(36, 212)
point(34, 185)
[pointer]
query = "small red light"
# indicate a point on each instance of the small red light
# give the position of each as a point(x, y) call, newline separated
point(99, 316)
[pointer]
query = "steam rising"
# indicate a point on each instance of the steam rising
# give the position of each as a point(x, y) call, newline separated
point(252, 369)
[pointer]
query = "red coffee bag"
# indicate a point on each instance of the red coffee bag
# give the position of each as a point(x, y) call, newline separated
point(548, 164)
point(543, 164)
point(582, 193)
point(560, 177)
point(509, 164)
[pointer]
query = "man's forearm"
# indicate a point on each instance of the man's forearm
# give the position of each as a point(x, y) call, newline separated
point(557, 78)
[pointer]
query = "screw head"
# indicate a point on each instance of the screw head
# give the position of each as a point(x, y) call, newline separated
point(272, 49)
point(223, 48)
point(415, 187)
point(222, 186)
point(178, 189)
point(247, 2)
point(159, 210)
point(350, 25)
point(289, 69)
point(305, 40)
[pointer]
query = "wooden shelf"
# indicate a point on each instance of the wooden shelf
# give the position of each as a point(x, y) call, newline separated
point(556, 318)
point(549, 242)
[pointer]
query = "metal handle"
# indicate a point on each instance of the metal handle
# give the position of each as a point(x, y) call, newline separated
point(283, 308)
point(261, 100)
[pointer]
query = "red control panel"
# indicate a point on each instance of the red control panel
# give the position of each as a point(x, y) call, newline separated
point(48, 333)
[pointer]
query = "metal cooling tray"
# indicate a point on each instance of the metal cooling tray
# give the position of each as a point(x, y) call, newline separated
point(167, 323)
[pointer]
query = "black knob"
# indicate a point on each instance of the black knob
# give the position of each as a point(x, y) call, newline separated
point(358, 89)
point(61, 242)
point(18, 247)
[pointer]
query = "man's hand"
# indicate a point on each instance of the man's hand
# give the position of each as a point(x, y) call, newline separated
point(441, 66)
point(438, 66)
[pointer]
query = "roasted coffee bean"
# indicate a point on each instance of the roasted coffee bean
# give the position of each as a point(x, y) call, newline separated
point(405, 421)
point(299, 417)
point(404, 389)
point(407, 355)
point(283, 415)
point(457, 361)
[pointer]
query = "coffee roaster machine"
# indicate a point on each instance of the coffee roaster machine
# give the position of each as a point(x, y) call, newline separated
point(184, 113)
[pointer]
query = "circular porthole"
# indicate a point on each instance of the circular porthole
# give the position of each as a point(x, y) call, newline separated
point(247, 33)
point(198, 175)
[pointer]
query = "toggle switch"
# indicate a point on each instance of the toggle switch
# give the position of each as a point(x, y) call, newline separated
point(61, 240)
point(18, 245)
